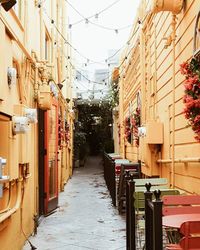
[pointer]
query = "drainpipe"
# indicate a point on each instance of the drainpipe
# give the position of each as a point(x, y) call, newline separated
point(173, 36)
point(42, 32)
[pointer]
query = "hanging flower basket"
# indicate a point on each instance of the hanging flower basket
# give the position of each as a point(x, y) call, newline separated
point(131, 125)
point(191, 99)
point(135, 124)
point(127, 129)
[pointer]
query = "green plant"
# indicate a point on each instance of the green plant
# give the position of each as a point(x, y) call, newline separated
point(79, 145)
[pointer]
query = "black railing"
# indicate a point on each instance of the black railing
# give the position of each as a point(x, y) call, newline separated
point(130, 212)
point(109, 176)
point(135, 170)
point(153, 220)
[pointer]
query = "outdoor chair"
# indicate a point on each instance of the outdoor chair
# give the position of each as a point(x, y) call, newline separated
point(190, 239)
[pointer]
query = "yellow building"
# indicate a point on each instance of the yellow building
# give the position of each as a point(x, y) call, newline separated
point(36, 116)
point(151, 90)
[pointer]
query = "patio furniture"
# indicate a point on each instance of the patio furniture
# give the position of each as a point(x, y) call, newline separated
point(190, 230)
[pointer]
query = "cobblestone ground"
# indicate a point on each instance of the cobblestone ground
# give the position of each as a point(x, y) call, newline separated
point(85, 218)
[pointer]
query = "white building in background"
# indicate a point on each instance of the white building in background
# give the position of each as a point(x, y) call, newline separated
point(113, 59)
point(92, 85)
point(101, 76)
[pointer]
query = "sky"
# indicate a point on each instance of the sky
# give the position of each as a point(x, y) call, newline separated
point(94, 42)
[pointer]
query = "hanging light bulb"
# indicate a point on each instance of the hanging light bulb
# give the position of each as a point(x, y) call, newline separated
point(116, 31)
point(86, 21)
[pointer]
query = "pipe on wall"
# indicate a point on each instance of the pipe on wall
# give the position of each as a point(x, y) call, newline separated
point(181, 160)
point(173, 35)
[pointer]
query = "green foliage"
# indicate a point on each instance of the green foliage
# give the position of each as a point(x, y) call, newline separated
point(114, 95)
point(98, 135)
point(79, 145)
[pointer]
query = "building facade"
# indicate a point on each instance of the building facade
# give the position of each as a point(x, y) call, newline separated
point(152, 124)
point(36, 115)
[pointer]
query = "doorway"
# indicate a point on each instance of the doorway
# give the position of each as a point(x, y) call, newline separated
point(48, 165)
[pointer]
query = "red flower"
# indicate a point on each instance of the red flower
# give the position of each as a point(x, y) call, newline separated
point(192, 95)
point(184, 68)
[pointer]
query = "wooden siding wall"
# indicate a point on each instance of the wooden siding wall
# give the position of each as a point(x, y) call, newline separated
point(150, 69)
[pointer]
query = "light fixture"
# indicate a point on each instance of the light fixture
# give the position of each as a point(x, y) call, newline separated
point(8, 4)
point(60, 85)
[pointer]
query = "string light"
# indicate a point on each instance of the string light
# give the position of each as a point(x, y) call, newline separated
point(133, 34)
point(96, 15)
point(98, 25)
point(99, 62)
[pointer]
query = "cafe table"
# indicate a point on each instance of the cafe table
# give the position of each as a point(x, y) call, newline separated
point(172, 224)
point(175, 220)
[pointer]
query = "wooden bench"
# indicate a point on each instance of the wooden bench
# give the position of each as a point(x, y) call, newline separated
point(135, 170)
point(176, 209)
point(139, 196)
point(140, 199)
point(181, 204)
point(190, 239)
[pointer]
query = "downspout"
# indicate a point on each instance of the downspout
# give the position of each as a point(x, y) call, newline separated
point(173, 36)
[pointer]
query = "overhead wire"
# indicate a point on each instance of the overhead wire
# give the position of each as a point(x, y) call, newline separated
point(67, 42)
point(94, 15)
point(98, 25)
point(77, 51)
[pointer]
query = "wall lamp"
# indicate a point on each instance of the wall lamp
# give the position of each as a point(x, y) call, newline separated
point(7, 4)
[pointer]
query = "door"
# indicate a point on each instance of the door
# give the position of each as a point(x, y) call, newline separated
point(50, 159)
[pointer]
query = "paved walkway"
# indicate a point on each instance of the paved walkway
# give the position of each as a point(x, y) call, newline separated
point(85, 218)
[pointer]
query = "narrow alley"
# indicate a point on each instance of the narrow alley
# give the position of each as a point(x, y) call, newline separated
point(85, 218)
point(99, 124)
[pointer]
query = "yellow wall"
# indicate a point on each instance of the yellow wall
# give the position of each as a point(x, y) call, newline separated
point(152, 68)
point(23, 47)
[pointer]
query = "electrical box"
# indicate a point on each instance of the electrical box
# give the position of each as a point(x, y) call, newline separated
point(12, 76)
point(20, 124)
point(44, 97)
point(142, 131)
point(154, 132)
point(31, 114)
